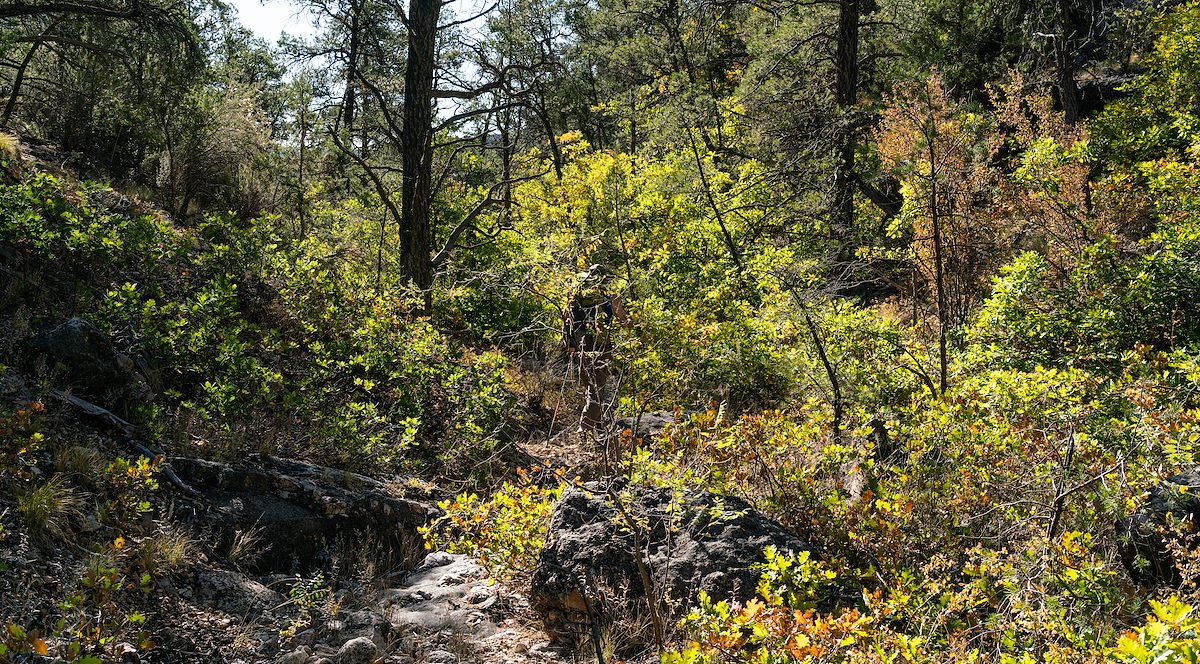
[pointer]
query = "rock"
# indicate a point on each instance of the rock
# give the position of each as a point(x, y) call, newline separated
point(435, 597)
point(357, 651)
point(233, 593)
point(646, 425)
point(127, 653)
point(300, 510)
point(441, 657)
point(268, 642)
point(1168, 517)
point(297, 656)
point(359, 624)
point(709, 545)
point(91, 365)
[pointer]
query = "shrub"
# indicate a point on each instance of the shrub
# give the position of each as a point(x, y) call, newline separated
point(505, 532)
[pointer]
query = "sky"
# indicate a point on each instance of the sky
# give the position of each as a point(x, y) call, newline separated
point(270, 18)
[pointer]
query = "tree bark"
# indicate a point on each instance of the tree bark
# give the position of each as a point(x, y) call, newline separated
point(939, 266)
point(844, 183)
point(417, 145)
point(1066, 43)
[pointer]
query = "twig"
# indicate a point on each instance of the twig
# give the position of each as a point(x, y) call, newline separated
point(129, 429)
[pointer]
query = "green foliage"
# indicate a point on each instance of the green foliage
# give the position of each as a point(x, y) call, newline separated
point(19, 441)
point(92, 620)
point(305, 596)
point(1158, 116)
point(127, 487)
point(1108, 306)
point(244, 329)
point(505, 532)
point(1169, 636)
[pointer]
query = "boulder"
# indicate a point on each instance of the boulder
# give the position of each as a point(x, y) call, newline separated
point(644, 426)
point(233, 593)
point(445, 592)
point(361, 650)
point(357, 624)
point(298, 656)
point(300, 510)
point(91, 365)
point(1168, 517)
point(697, 541)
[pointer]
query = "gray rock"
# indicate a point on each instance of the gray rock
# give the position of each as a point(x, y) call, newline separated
point(127, 653)
point(268, 642)
point(297, 656)
point(435, 597)
point(360, 623)
point(702, 541)
point(300, 510)
point(1169, 516)
point(441, 657)
point(646, 425)
point(361, 650)
point(233, 593)
point(91, 366)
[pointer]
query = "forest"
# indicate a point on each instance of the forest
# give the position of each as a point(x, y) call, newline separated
point(909, 289)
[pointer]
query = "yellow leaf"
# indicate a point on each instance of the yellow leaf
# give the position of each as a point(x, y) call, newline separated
point(753, 607)
point(40, 647)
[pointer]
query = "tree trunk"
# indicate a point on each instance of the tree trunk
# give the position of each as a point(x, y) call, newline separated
point(350, 103)
point(18, 79)
point(939, 268)
point(842, 217)
point(417, 142)
point(1066, 43)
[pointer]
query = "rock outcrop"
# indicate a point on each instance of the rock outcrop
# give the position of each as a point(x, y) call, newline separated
point(1168, 517)
point(697, 541)
point(91, 365)
point(300, 509)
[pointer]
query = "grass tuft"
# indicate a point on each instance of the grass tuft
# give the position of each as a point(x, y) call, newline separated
point(49, 509)
point(164, 551)
point(247, 547)
point(9, 146)
point(84, 463)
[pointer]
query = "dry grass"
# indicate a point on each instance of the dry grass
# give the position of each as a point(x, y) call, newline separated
point(247, 547)
point(366, 563)
point(164, 551)
point(10, 147)
point(49, 509)
point(80, 461)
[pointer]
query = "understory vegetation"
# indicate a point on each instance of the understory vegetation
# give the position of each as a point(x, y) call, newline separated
point(918, 279)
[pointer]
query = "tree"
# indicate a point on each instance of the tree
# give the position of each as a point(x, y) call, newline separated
point(936, 149)
point(394, 132)
point(89, 74)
